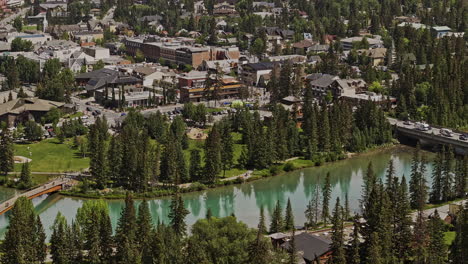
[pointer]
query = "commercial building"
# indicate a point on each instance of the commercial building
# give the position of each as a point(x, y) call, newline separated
point(193, 87)
point(251, 73)
point(179, 51)
point(348, 43)
point(20, 110)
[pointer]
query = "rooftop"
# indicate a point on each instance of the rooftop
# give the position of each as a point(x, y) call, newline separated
point(313, 246)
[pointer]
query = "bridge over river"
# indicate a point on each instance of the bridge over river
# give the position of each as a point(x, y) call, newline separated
point(49, 187)
point(430, 136)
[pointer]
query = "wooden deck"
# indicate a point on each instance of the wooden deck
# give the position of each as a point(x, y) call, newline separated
point(49, 187)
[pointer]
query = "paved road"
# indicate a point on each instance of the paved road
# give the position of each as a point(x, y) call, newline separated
point(109, 14)
point(430, 131)
point(10, 18)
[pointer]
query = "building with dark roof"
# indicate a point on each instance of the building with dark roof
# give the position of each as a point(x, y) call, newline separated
point(250, 73)
point(322, 85)
point(98, 79)
point(314, 249)
point(19, 110)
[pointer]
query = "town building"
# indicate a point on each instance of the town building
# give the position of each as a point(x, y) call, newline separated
point(313, 249)
point(347, 43)
point(322, 85)
point(98, 79)
point(251, 73)
point(376, 55)
point(20, 110)
point(193, 88)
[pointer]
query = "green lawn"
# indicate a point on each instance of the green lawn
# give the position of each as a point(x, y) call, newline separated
point(449, 237)
point(214, 109)
point(51, 156)
point(77, 114)
point(30, 27)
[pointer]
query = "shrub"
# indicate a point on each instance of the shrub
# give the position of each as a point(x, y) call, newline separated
point(275, 169)
point(289, 166)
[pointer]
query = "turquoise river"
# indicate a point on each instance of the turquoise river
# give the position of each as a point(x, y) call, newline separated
point(245, 200)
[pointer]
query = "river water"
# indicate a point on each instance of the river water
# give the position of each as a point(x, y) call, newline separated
point(245, 200)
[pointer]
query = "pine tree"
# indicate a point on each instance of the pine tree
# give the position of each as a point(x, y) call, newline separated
point(436, 192)
point(39, 238)
point(212, 155)
point(114, 158)
point(402, 222)
point(6, 152)
point(276, 224)
point(461, 176)
point(326, 195)
point(209, 214)
point(418, 184)
point(24, 239)
point(346, 211)
point(25, 176)
point(227, 150)
point(292, 249)
point(105, 237)
point(98, 163)
point(177, 215)
point(337, 237)
point(312, 211)
point(60, 241)
point(261, 222)
point(458, 253)
point(155, 163)
point(126, 230)
point(324, 131)
point(195, 165)
point(353, 249)
point(374, 252)
point(144, 230)
point(169, 168)
point(390, 174)
point(437, 250)
point(370, 180)
point(285, 80)
point(259, 249)
point(289, 217)
point(420, 239)
point(447, 176)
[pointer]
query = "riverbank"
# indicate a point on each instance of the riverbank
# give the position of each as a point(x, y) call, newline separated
point(281, 169)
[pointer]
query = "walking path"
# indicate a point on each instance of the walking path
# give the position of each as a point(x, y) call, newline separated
point(243, 176)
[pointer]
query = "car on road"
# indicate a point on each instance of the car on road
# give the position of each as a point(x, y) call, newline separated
point(463, 137)
point(407, 122)
point(446, 132)
point(89, 108)
point(88, 103)
point(97, 111)
point(421, 126)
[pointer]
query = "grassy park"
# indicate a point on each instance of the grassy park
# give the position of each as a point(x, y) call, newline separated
point(51, 156)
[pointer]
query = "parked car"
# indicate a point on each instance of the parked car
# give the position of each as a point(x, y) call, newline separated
point(407, 122)
point(421, 126)
point(97, 111)
point(88, 103)
point(89, 109)
point(446, 132)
